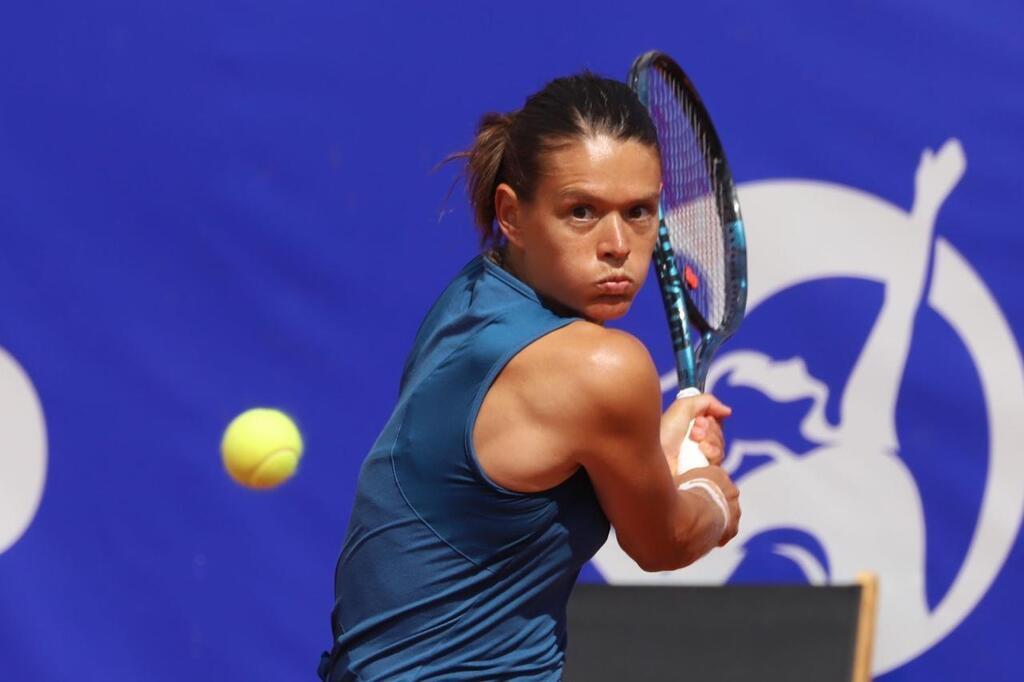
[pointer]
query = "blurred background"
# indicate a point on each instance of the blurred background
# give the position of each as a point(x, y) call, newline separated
point(212, 206)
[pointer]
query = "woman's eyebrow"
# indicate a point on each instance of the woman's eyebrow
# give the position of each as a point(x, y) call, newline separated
point(649, 199)
point(580, 193)
point(577, 193)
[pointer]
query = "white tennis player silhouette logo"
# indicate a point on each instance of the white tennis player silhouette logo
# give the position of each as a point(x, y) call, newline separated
point(852, 492)
point(22, 451)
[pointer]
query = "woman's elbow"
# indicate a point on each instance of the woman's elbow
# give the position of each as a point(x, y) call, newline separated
point(668, 558)
point(668, 563)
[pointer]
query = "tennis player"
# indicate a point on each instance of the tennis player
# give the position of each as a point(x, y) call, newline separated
point(524, 426)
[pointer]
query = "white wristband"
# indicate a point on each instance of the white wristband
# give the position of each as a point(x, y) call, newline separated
point(714, 492)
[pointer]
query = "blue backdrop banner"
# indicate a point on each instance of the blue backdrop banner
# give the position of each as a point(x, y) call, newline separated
point(206, 207)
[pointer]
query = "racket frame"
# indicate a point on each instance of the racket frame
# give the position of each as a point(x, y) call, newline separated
point(684, 318)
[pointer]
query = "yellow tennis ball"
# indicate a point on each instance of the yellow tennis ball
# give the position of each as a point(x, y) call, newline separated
point(261, 448)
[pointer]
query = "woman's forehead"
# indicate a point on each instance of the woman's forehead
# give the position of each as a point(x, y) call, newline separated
point(602, 166)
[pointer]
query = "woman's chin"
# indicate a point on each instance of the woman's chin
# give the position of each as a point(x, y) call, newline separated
point(607, 310)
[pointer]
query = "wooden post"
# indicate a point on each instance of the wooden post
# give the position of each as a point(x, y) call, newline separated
point(865, 626)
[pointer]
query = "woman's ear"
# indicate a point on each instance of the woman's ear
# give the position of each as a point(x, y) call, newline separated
point(508, 212)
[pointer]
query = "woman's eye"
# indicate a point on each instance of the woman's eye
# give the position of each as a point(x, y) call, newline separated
point(639, 213)
point(582, 212)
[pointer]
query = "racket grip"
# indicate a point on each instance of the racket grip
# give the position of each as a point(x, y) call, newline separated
point(690, 456)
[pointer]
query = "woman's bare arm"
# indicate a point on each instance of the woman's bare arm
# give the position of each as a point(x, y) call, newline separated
point(589, 396)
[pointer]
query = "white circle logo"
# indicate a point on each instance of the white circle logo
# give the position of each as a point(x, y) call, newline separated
point(852, 492)
point(22, 453)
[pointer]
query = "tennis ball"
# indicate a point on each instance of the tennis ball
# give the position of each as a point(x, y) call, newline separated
point(261, 448)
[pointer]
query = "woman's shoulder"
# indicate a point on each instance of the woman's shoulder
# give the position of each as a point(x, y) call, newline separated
point(594, 347)
point(586, 359)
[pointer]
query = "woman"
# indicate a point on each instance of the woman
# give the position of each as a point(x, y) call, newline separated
point(524, 426)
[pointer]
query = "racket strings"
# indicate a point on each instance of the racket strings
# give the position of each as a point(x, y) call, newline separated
point(690, 197)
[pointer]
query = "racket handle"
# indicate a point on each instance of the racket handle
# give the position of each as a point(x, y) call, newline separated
point(690, 456)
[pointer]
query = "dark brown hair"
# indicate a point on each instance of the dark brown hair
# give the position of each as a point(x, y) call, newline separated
point(508, 147)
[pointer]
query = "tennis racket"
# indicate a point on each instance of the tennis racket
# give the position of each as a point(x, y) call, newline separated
point(701, 257)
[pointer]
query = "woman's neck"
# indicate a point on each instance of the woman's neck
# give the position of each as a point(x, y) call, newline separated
point(511, 261)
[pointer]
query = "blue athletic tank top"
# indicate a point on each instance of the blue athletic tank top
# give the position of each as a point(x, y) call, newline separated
point(445, 574)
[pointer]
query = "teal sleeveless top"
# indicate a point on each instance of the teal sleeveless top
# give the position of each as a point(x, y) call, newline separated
point(445, 574)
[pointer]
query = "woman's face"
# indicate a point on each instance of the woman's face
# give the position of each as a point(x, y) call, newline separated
point(586, 237)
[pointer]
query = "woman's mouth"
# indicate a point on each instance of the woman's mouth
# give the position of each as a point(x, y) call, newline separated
point(616, 285)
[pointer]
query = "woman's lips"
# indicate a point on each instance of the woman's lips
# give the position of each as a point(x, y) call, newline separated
point(615, 286)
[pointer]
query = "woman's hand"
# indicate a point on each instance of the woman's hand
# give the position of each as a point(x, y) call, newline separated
point(707, 433)
point(708, 412)
point(730, 497)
